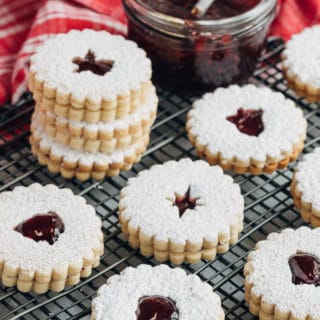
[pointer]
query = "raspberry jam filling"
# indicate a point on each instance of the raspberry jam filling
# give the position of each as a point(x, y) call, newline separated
point(185, 202)
point(193, 57)
point(42, 227)
point(218, 9)
point(305, 268)
point(156, 308)
point(248, 121)
point(89, 63)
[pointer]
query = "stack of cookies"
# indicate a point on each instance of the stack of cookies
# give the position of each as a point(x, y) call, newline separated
point(95, 104)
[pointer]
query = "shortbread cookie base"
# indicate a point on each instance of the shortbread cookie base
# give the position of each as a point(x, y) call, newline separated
point(103, 130)
point(308, 212)
point(302, 89)
point(41, 281)
point(89, 141)
point(237, 166)
point(97, 171)
point(66, 107)
point(178, 253)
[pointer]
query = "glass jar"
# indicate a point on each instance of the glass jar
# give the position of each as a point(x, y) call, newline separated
point(194, 56)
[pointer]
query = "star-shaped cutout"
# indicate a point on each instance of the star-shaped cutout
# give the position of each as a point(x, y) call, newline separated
point(185, 202)
point(89, 63)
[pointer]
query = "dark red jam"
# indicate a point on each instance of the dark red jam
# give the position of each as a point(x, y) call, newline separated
point(42, 227)
point(183, 8)
point(89, 63)
point(192, 59)
point(248, 121)
point(156, 308)
point(305, 269)
point(185, 202)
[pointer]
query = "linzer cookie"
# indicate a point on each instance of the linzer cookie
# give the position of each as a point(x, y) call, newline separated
point(247, 129)
point(181, 211)
point(301, 63)
point(90, 70)
point(159, 293)
point(282, 276)
point(81, 164)
point(102, 137)
point(95, 104)
point(49, 238)
point(305, 187)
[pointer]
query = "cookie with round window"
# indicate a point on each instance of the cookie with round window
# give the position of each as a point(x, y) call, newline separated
point(282, 276)
point(247, 129)
point(50, 238)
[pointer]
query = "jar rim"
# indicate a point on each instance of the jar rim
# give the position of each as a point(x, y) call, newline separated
point(260, 10)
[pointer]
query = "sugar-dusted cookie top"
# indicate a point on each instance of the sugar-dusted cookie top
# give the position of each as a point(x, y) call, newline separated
point(140, 293)
point(88, 64)
point(301, 56)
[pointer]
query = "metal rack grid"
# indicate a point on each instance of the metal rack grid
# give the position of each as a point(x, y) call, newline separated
point(268, 203)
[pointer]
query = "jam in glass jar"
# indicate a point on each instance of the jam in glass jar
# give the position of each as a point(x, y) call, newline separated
point(192, 54)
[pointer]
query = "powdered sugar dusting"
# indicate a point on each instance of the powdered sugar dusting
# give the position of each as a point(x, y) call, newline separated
point(302, 55)
point(284, 124)
point(272, 275)
point(118, 299)
point(307, 176)
point(80, 237)
point(53, 64)
point(220, 202)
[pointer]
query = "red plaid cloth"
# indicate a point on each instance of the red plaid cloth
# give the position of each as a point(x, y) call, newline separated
point(26, 23)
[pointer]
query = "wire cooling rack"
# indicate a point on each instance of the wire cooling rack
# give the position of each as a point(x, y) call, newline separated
point(268, 203)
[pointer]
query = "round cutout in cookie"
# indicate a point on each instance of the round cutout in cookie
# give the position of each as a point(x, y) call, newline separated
point(247, 129)
point(181, 211)
point(282, 276)
point(157, 292)
point(49, 238)
point(300, 63)
point(305, 187)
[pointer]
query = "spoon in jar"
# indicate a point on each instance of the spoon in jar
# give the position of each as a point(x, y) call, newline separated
point(201, 7)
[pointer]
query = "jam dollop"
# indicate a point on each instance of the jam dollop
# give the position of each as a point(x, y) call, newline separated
point(248, 121)
point(42, 227)
point(185, 202)
point(219, 9)
point(89, 63)
point(156, 308)
point(305, 268)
